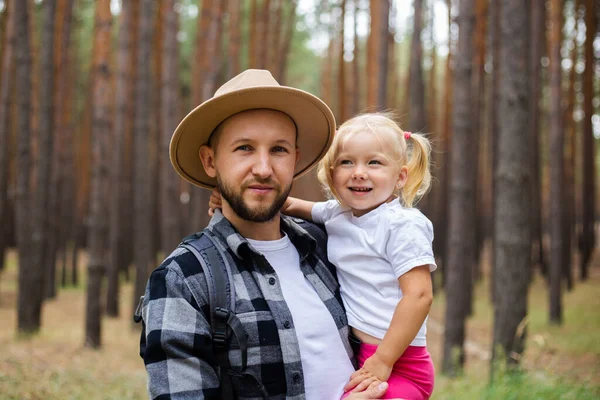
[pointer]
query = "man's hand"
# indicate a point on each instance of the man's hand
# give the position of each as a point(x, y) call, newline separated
point(214, 202)
point(375, 391)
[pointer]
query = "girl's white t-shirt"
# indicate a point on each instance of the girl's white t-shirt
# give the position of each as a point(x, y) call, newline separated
point(371, 252)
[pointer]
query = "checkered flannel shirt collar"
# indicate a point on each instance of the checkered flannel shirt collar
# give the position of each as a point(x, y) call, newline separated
point(304, 243)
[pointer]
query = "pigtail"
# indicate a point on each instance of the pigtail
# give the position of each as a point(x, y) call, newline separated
point(419, 171)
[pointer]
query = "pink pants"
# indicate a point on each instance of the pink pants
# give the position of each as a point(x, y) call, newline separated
point(412, 376)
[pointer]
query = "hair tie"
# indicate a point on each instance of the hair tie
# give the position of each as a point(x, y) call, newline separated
point(407, 135)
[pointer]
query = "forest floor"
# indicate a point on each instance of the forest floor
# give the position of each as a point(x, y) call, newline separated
point(560, 362)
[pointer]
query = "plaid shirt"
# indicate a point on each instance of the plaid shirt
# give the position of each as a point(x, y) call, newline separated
point(178, 353)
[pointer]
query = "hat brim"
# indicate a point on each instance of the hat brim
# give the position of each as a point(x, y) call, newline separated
point(314, 120)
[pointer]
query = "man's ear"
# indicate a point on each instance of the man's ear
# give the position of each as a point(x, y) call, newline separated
point(207, 156)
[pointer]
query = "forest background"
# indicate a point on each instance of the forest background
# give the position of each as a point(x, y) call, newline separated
point(507, 90)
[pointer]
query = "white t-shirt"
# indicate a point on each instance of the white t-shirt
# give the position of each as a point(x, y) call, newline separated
point(325, 362)
point(371, 252)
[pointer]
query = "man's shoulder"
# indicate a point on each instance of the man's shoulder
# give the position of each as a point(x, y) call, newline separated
point(181, 262)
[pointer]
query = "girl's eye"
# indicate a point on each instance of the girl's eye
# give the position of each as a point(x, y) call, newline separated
point(345, 162)
point(374, 162)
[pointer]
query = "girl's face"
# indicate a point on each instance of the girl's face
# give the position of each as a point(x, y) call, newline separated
point(365, 173)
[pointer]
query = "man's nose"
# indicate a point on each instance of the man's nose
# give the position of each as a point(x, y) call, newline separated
point(262, 167)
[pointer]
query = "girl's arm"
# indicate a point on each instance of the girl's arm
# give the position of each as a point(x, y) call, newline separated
point(298, 208)
point(411, 311)
point(408, 318)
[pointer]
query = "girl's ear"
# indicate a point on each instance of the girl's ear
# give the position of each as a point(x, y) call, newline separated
point(207, 156)
point(402, 177)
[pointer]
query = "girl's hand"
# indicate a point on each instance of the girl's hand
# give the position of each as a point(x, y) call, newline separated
point(287, 203)
point(214, 202)
point(374, 369)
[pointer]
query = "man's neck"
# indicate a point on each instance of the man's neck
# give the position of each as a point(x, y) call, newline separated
point(270, 230)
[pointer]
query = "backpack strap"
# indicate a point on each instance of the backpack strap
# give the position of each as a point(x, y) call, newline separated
point(223, 318)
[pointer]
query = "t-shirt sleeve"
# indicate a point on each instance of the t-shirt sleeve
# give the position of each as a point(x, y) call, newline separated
point(410, 244)
point(325, 210)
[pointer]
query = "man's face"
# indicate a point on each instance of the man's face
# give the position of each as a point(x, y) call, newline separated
point(253, 159)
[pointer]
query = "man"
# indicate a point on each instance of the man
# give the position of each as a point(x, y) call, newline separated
point(251, 140)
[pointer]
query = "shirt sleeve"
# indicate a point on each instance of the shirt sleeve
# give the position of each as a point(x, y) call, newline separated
point(178, 355)
point(410, 244)
point(325, 210)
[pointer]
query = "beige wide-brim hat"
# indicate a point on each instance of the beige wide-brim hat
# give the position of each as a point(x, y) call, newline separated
point(252, 89)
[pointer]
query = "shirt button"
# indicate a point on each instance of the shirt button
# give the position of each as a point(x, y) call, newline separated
point(296, 377)
point(287, 324)
point(271, 281)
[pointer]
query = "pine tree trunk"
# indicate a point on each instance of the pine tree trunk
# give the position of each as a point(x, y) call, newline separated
point(235, 38)
point(123, 81)
point(537, 40)
point(461, 243)
point(481, 7)
point(253, 35)
point(6, 86)
point(418, 120)
point(569, 175)
point(30, 276)
point(41, 229)
point(493, 101)
point(442, 229)
point(287, 43)
point(61, 198)
point(101, 134)
point(356, 76)
point(142, 215)
point(382, 58)
point(342, 93)
point(588, 238)
point(170, 118)
point(557, 164)
point(513, 189)
point(263, 34)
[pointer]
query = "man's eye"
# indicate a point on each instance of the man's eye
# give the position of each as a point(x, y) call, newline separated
point(244, 147)
point(280, 149)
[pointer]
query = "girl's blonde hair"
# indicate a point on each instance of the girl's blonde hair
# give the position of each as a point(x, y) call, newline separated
point(413, 151)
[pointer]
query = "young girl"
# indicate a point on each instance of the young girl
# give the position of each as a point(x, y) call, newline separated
point(381, 247)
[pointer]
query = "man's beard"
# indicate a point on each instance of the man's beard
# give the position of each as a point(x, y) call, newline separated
point(258, 214)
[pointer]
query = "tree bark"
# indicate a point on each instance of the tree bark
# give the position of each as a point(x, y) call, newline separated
point(123, 81)
point(418, 119)
point(588, 237)
point(461, 243)
point(41, 229)
point(30, 276)
point(101, 134)
point(356, 78)
point(142, 215)
point(342, 93)
point(6, 86)
point(235, 38)
point(513, 195)
point(170, 117)
point(537, 40)
point(557, 164)
point(287, 42)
